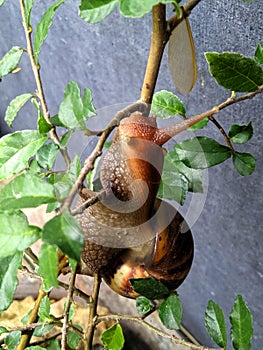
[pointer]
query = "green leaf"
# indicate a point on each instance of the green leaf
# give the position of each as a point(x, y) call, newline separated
point(113, 337)
point(235, 71)
point(15, 233)
point(41, 330)
point(62, 184)
point(136, 8)
point(65, 138)
point(42, 125)
point(16, 149)
point(95, 11)
point(73, 111)
point(8, 279)
point(242, 325)
point(36, 347)
point(199, 125)
point(12, 340)
point(46, 155)
point(74, 169)
point(149, 288)
point(48, 266)
point(241, 133)
point(26, 191)
point(244, 163)
point(14, 107)
point(2, 2)
point(43, 27)
point(88, 108)
point(173, 186)
point(143, 305)
point(65, 232)
point(28, 7)
point(3, 330)
point(10, 60)
point(170, 312)
point(165, 105)
point(215, 324)
point(53, 345)
point(44, 310)
point(259, 54)
point(73, 339)
point(202, 152)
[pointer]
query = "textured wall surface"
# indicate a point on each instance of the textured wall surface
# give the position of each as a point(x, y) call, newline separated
point(110, 58)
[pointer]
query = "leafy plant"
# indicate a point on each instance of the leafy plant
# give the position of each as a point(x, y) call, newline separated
point(27, 160)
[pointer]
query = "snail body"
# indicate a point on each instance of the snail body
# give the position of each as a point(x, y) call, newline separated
point(131, 233)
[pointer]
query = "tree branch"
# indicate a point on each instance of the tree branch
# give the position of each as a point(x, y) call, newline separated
point(40, 91)
point(153, 329)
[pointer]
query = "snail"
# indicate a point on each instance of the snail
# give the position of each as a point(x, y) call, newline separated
point(131, 233)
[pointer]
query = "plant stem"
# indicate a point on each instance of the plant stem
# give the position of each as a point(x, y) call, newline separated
point(32, 318)
point(67, 309)
point(40, 90)
point(160, 36)
point(153, 329)
point(161, 31)
point(92, 313)
point(221, 129)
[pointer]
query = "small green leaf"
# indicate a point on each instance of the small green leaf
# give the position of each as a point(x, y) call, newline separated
point(42, 125)
point(65, 138)
point(62, 184)
point(241, 133)
point(36, 347)
point(28, 7)
point(202, 152)
point(53, 345)
point(16, 149)
point(14, 107)
point(199, 125)
point(41, 330)
point(215, 324)
point(113, 337)
point(165, 105)
point(88, 108)
point(170, 312)
point(143, 305)
point(65, 232)
point(44, 309)
point(242, 325)
point(15, 233)
point(95, 11)
point(10, 60)
point(73, 339)
point(2, 2)
point(43, 27)
point(48, 266)
point(149, 288)
point(26, 191)
point(73, 111)
point(3, 330)
point(46, 155)
point(244, 163)
point(235, 71)
point(74, 169)
point(12, 340)
point(8, 279)
point(259, 54)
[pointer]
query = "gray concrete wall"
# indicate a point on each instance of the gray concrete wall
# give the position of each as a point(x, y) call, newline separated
point(110, 58)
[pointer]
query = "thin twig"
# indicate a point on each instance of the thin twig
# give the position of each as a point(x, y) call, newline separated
point(222, 130)
point(92, 313)
point(67, 309)
point(32, 318)
point(97, 197)
point(40, 91)
point(176, 340)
